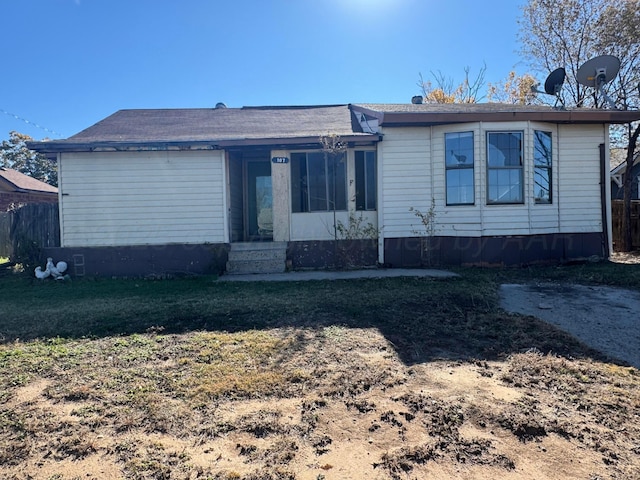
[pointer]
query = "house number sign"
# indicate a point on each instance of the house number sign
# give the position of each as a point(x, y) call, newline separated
point(280, 160)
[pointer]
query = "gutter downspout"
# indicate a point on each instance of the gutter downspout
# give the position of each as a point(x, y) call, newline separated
point(380, 198)
point(60, 200)
point(605, 193)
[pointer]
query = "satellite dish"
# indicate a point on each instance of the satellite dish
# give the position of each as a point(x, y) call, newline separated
point(554, 81)
point(598, 71)
point(553, 84)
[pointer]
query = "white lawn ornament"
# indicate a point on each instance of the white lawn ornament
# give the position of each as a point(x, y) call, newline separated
point(40, 274)
point(56, 271)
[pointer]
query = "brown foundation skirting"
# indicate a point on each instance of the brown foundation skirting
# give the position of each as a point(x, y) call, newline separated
point(494, 251)
point(340, 254)
point(154, 261)
point(160, 261)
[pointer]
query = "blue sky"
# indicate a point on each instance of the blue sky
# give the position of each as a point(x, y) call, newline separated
point(70, 63)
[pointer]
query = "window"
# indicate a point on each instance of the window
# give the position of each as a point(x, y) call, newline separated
point(365, 180)
point(542, 167)
point(459, 168)
point(318, 182)
point(504, 167)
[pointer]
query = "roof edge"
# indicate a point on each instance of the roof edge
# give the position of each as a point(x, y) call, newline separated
point(66, 146)
point(622, 166)
point(429, 118)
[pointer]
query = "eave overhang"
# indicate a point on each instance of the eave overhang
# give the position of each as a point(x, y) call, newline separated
point(432, 118)
point(51, 147)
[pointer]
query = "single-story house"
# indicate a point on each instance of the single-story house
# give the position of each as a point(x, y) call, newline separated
point(618, 171)
point(18, 189)
point(403, 185)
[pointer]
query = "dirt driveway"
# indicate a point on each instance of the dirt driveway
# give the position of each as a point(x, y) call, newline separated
point(605, 318)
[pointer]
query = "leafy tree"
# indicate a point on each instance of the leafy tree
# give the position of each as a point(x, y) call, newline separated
point(566, 33)
point(14, 154)
point(514, 89)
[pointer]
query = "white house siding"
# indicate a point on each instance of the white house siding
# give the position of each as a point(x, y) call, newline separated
point(316, 225)
point(142, 198)
point(412, 173)
point(404, 176)
point(579, 173)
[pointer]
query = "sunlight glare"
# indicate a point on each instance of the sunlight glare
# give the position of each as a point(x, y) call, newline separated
point(370, 7)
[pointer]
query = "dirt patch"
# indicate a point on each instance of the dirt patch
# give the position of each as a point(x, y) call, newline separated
point(605, 318)
point(345, 407)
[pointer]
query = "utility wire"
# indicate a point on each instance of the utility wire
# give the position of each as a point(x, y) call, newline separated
point(17, 117)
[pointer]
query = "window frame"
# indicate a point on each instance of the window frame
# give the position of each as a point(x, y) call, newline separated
point(306, 205)
point(504, 168)
point(538, 200)
point(366, 181)
point(459, 167)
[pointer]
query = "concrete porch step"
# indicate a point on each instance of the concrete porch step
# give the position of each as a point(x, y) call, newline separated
point(258, 257)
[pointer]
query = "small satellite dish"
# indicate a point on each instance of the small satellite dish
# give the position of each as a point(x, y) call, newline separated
point(598, 71)
point(554, 81)
point(553, 84)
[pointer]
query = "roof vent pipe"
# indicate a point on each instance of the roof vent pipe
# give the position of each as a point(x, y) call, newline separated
point(416, 100)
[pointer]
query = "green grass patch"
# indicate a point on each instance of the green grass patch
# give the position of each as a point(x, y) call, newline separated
point(426, 317)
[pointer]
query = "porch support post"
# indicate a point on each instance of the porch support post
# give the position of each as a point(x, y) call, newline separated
point(280, 184)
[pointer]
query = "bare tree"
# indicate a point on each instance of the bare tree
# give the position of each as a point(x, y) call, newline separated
point(561, 33)
point(619, 29)
point(566, 33)
point(444, 90)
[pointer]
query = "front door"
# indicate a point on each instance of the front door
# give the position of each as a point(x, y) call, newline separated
point(259, 204)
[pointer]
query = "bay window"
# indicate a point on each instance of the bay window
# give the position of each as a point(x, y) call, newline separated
point(505, 179)
point(459, 165)
point(542, 156)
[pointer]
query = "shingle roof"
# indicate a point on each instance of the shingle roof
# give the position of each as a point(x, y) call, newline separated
point(215, 124)
point(21, 182)
point(296, 125)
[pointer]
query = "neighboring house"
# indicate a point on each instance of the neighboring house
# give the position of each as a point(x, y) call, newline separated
point(153, 191)
point(18, 189)
point(618, 171)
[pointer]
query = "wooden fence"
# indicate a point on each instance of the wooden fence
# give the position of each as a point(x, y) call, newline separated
point(28, 228)
point(616, 220)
